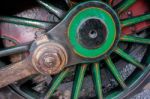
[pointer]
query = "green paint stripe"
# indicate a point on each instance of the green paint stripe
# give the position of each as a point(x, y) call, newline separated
point(56, 82)
point(124, 5)
point(97, 80)
point(92, 13)
point(129, 58)
point(26, 22)
point(115, 72)
point(79, 76)
point(135, 20)
point(135, 39)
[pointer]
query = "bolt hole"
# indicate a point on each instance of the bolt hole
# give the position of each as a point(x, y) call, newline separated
point(93, 34)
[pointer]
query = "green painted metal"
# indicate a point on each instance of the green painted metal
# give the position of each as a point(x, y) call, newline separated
point(51, 8)
point(115, 72)
point(124, 5)
point(56, 82)
point(135, 20)
point(79, 76)
point(26, 22)
point(128, 58)
point(97, 80)
point(135, 39)
point(136, 79)
point(91, 13)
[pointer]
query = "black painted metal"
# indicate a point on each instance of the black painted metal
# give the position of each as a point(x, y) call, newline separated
point(14, 50)
point(96, 31)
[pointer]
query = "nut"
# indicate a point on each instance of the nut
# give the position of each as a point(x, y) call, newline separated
point(49, 58)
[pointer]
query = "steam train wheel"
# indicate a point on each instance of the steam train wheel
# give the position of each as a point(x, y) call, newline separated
point(70, 49)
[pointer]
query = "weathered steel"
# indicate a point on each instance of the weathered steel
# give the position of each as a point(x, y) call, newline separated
point(45, 57)
point(49, 58)
point(51, 8)
point(56, 82)
point(16, 72)
point(27, 22)
point(13, 50)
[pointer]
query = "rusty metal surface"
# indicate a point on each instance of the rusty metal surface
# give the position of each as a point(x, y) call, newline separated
point(23, 34)
point(16, 72)
point(48, 57)
point(140, 91)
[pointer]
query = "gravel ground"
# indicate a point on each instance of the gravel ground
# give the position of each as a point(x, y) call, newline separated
point(145, 91)
point(143, 95)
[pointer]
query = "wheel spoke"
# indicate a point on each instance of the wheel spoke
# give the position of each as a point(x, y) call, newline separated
point(135, 39)
point(58, 12)
point(97, 80)
point(135, 20)
point(79, 76)
point(56, 82)
point(115, 72)
point(13, 50)
point(129, 58)
point(124, 5)
point(27, 22)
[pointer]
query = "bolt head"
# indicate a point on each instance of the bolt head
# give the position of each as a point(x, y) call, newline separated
point(49, 58)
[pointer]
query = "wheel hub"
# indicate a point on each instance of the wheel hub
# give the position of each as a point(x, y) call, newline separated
point(92, 33)
point(94, 30)
point(48, 57)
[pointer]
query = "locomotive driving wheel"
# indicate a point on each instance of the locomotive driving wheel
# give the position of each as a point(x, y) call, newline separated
point(101, 46)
